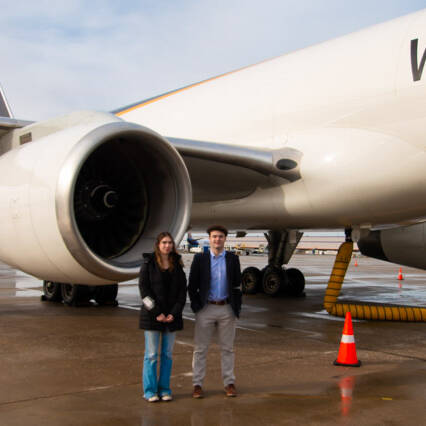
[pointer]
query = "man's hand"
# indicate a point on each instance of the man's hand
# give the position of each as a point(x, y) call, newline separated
point(161, 318)
point(169, 318)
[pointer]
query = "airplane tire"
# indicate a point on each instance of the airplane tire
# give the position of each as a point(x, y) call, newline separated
point(272, 280)
point(106, 294)
point(295, 282)
point(75, 294)
point(52, 291)
point(250, 280)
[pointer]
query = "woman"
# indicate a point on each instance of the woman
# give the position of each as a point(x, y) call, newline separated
point(162, 285)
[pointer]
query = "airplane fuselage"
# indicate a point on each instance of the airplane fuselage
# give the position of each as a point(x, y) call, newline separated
point(355, 107)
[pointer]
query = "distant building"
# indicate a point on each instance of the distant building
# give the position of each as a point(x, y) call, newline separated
point(257, 243)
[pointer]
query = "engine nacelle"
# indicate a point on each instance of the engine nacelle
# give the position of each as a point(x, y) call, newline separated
point(89, 194)
point(404, 245)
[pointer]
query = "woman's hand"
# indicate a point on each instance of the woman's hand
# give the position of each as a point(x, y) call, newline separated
point(169, 318)
point(161, 318)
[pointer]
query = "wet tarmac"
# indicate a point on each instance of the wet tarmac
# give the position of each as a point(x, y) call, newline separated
point(82, 366)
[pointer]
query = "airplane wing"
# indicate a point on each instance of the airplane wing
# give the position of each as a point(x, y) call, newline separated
point(7, 124)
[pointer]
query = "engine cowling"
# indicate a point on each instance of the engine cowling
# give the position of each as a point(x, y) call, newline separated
point(405, 245)
point(84, 199)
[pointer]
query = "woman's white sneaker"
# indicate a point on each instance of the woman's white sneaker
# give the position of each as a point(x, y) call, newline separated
point(153, 398)
point(166, 398)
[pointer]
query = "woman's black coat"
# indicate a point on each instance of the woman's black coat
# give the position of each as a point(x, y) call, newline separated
point(157, 299)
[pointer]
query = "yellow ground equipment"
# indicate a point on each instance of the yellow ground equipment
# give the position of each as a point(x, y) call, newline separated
point(363, 310)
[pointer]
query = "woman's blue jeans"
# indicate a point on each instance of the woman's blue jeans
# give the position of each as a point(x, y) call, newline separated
point(151, 385)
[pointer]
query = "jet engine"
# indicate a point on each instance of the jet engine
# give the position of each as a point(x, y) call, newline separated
point(83, 196)
point(405, 245)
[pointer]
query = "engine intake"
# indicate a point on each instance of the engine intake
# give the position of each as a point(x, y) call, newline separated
point(84, 200)
point(129, 184)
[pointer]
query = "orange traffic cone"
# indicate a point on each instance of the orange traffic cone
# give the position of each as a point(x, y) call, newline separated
point(400, 276)
point(347, 351)
point(356, 263)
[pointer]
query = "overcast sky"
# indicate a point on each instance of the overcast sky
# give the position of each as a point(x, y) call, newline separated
point(59, 56)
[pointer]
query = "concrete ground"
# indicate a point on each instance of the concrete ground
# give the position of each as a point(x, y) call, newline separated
point(82, 366)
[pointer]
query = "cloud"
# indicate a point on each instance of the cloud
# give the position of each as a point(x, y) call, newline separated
point(61, 56)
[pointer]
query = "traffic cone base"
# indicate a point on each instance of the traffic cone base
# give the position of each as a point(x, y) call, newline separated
point(358, 364)
point(347, 352)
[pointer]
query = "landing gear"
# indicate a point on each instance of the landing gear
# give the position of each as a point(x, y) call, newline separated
point(250, 279)
point(295, 282)
point(79, 294)
point(52, 291)
point(275, 279)
point(75, 294)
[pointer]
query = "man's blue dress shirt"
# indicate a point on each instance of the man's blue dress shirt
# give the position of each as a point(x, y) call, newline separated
point(218, 282)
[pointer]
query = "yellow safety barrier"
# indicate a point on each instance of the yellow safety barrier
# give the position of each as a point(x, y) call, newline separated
point(362, 310)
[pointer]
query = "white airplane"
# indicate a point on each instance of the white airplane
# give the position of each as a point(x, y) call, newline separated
point(328, 137)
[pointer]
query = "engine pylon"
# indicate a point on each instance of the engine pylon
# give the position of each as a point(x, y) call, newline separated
point(347, 351)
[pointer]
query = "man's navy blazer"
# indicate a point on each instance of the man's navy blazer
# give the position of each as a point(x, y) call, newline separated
point(200, 277)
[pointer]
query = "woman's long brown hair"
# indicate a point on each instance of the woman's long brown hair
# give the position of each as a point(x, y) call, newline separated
point(172, 258)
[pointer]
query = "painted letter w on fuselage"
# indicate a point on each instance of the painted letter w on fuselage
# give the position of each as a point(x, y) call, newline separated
point(416, 70)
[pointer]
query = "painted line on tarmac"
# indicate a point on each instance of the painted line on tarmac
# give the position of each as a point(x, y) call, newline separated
point(188, 318)
point(326, 316)
point(181, 342)
point(312, 334)
point(188, 374)
point(133, 308)
point(136, 308)
point(249, 329)
point(65, 394)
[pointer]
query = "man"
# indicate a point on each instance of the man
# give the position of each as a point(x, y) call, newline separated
point(215, 292)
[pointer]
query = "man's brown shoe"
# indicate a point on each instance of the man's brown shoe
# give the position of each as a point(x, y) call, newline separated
point(230, 390)
point(197, 392)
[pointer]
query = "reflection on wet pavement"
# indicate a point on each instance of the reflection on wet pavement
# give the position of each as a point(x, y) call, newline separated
point(346, 386)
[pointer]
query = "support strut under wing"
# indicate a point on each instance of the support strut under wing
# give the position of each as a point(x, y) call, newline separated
point(283, 162)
